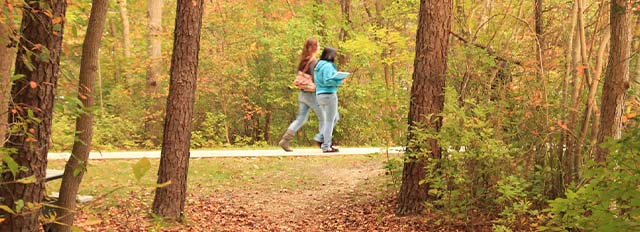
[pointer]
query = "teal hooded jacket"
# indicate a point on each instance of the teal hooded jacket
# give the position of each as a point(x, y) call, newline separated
point(322, 76)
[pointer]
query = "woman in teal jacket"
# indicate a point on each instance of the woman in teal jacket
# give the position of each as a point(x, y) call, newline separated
point(327, 95)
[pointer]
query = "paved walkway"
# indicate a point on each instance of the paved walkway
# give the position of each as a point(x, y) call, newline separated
point(232, 153)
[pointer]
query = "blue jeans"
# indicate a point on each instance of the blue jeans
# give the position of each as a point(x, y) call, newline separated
point(307, 101)
point(329, 111)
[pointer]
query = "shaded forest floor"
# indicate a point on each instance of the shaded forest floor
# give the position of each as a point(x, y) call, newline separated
point(341, 193)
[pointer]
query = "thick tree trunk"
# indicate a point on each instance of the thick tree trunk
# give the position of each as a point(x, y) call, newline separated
point(427, 97)
point(174, 161)
point(77, 164)
point(616, 80)
point(33, 97)
point(7, 59)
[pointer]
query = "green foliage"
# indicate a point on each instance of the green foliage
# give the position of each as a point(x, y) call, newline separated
point(211, 132)
point(393, 166)
point(609, 197)
point(515, 202)
point(474, 173)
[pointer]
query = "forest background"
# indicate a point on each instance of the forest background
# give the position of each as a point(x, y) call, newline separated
point(523, 90)
point(244, 94)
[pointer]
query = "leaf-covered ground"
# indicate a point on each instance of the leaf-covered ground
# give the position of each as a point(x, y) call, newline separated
point(295, 194)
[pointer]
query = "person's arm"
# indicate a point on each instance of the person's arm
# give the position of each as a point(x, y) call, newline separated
point(312, 66)
point(327, 74)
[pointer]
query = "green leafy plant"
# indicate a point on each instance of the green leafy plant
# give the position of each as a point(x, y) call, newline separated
point(608, 199)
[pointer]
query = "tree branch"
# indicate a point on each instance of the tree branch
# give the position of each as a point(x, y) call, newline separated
point(488, 50)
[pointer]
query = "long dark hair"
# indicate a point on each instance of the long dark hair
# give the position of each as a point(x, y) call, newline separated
point(308, 51)
point(329, 54)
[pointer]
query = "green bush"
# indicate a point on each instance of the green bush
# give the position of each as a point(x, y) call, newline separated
point(475, 169)
point(608, 199)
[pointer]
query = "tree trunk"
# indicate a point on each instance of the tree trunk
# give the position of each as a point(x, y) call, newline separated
point(7, 57)
point(33, 97)
point(77, 164)
point(345, 6)
point(580, 62)
point(155, 48)
point(154, 70)
point(427, 97)
point(636, 75)
point(597, 73)
point(539, 20)
point(174, 161)
point(126, 38)
point(114, 49)
point(589, 108)
point(616, 80)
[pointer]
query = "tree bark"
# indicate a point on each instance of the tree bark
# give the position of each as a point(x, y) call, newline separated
point(33, 97)
point(174, 161)
point(155, 48)
point(345, 6)
point(567, 100)
point(578, 84)
point(539, 20)
point(427, 98)
point(154, 70)
point(7, 57)
point(77, 164)
point(589, 108)
point(616, 80)
point(126, 38)
point(597, 73)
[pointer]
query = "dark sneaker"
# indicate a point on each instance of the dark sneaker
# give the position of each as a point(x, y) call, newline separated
point(330, 150)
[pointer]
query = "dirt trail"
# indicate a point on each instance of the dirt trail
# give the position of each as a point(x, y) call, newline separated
point(290, 207)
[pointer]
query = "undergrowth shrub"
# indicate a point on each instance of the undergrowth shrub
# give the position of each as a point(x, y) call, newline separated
point(476, 171)
point(608, 198)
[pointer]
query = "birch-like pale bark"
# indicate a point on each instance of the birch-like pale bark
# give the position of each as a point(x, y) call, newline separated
point(155, 47)
point(126, 37)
